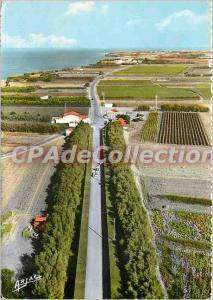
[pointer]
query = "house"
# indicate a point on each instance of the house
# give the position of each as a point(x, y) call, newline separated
point(123, 122)
point(39, 220)
point(72, 118)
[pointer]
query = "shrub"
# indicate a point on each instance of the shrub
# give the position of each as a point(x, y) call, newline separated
point(188, 200)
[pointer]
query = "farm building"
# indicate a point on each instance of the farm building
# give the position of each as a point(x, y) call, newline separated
point(72, 118)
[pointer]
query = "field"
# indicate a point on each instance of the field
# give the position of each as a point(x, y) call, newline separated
point(181, 237)
point(182, 128)
point(124, 82)
point(205, 90)
point(149, 130)
point(148, 91)
point(156, 70)
point(26, 99)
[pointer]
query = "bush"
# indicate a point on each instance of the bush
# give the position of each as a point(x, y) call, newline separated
point(32, 127)
point(136, 254)
point(188, 200)
point(65, 198)
point(143, 107)
point(181, 107)
point(8, 284)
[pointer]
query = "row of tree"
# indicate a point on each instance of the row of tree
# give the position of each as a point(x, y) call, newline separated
point(57, 238)
point(136, 253)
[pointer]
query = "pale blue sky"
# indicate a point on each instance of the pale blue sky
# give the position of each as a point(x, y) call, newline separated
point(106, 24)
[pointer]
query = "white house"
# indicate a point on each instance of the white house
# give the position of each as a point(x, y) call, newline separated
point(72, 118)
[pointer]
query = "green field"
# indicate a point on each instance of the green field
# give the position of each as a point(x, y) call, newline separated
point(124, 82)
point(145, 92)
point(205, 90)
point(158, 70)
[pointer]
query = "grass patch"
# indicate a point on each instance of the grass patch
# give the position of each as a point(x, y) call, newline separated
point(149, 130)
point(82, 250)
point(202, 222)
point(185, 272)
point(6, 228)
point(6, 216)
point(145, 92)
point(188, 200)
point(26, 233)
point(146, 70)
point(203, 245)
point(158, 220)
point(182, 229)
point(115, 277)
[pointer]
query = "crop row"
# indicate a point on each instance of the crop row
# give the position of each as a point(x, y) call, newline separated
point(182, 128)
point(149, 130)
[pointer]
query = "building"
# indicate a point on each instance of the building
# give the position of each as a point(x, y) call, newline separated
point(72, 118)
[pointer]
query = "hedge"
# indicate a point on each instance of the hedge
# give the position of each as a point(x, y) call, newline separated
point(32, 127)
point(136, 254)
point(143, 107)
point(181, 107)
point(18, 89)
point(65, 197)
point(34, 100)
point(26, 116)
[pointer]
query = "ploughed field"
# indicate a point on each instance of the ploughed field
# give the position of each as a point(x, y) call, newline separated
point(182, 128)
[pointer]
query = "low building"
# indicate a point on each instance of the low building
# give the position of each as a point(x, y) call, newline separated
point(72, 118)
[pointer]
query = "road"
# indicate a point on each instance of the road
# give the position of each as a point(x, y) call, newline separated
point(94, 279)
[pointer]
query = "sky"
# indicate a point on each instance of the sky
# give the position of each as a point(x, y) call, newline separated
point(166, 24)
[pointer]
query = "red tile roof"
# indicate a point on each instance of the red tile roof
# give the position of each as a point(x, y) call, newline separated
point(123, 122)
point(72, 113)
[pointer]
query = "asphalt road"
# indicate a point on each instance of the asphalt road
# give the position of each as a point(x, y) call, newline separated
point(94, 280)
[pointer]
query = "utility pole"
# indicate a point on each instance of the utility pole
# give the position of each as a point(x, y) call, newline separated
point(114, 230)
point(156, 102)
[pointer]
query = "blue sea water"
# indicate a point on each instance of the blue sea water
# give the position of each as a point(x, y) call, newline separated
point(19, 61)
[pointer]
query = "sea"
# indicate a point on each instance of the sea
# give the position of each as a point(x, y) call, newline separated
point(19, 61)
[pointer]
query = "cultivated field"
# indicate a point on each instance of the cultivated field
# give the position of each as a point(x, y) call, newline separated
point(154, 70)
point(147, 91)
point(182, 128)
